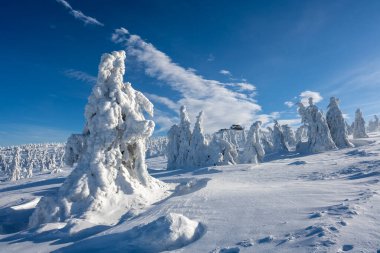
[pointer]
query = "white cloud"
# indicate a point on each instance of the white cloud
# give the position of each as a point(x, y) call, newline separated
point(222, 104)
point(289, 104)
point(305, 95)
point(81, 76)
point(225, 72)
point(79, 15)
point(290, 122)
point(163, 100)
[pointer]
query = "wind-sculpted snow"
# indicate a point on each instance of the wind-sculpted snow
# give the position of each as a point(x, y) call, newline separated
point(324, 202)
point(111, 176)
point(169, 232)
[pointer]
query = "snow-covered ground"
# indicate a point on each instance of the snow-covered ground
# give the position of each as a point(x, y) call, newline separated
point(327, 202)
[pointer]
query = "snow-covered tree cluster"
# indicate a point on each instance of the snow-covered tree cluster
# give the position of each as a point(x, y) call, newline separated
point(24, 161)
point(156, 146)
point(192, 149)
point(111, 176)
point(318, 132)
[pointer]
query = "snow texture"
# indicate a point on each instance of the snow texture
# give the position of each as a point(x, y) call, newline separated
point(337, 125)
point(359, 130)
point(111, 176)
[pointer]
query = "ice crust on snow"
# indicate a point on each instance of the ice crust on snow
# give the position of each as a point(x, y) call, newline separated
point(111, 175)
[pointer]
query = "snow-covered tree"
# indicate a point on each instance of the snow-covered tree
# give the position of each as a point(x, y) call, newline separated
point(319, 137)
point(374, 125)
point(279, 143)
point(198, 145)
point(359, 125)
point(337, 126)
point(253, 149)
point(74, 148)
point(289, 135)
point(301, 134)
point(221, 152)
point(15, 169)
point(179, 138)
point(111, 176)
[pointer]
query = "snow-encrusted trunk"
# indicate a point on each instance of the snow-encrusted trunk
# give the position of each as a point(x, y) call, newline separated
point(253, 149)
point(15, 169)
point(359, 125)
point(111, 176)
point(337, 125)
point(198, 145)
point(279, 143)
point(319, 137)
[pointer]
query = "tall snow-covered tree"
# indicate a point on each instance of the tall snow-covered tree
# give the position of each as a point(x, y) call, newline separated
point(111, 176)
point(374, 124)
point(319, 137)
point(359, 125)
point(337, 125)
point(179, 138)
point(198, 145)
point(289, 135)
point(253, 149)
point(15, 168)
point(279, 143)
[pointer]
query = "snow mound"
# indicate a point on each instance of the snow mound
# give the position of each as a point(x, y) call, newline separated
point(169, 232)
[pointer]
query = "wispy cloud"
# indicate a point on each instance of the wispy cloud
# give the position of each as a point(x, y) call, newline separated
point(163, 100)
point(222, 104)
point(225, 72)
point(79, 15)
point(80, 75)
point(289, 104)
point(305, 95)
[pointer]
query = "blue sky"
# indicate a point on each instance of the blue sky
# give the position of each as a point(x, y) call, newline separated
point(238, 60)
